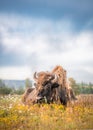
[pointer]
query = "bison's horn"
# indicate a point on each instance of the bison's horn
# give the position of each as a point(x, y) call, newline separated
point(35, 76)
point(55, 78)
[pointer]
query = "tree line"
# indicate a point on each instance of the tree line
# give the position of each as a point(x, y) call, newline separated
point(5, 89)
point(81, 88)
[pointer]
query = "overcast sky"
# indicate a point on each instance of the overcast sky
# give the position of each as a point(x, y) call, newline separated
point(37, 35)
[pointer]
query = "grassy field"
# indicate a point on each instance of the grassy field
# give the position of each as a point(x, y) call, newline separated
point(15, 116)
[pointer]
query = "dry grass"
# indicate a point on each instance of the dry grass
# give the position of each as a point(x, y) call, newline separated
point(15, 116)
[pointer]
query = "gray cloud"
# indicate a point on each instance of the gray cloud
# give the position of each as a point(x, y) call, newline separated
point(46, 45)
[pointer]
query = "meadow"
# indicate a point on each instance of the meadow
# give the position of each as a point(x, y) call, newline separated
point(16, 116)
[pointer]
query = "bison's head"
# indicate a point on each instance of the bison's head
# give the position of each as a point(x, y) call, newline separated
point(45, 92)
point(44, 78)
point(45, 82)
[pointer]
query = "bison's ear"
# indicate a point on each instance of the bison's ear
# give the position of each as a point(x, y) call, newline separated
point(55, 85)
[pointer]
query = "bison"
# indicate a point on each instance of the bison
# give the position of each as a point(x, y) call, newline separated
point(45, 82)
point(61, 93)
point(50, 86)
